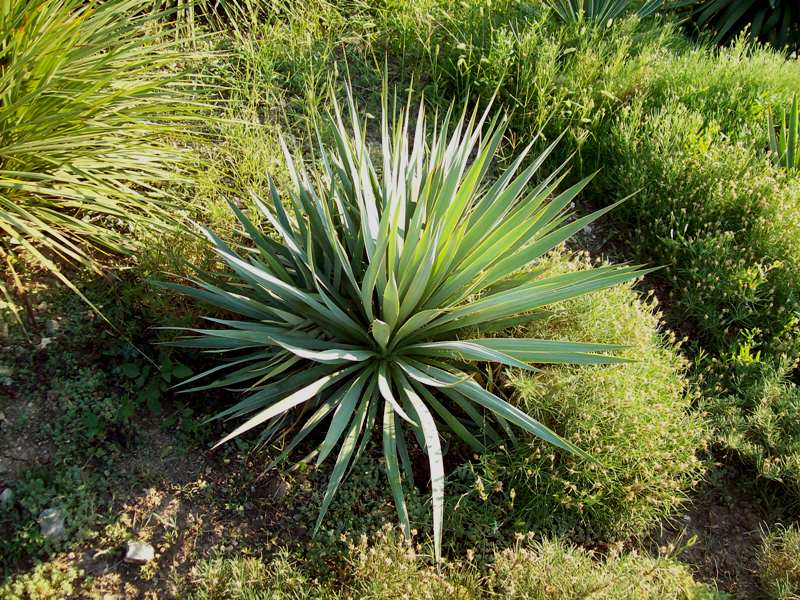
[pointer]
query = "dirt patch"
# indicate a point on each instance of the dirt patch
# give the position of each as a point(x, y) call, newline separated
point(727, 521)
point(187, 505)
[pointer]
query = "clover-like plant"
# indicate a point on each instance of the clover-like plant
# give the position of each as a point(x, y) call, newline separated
point(368, 298)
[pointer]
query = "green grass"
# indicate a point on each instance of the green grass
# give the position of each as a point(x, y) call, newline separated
point(93, 108)
point(779, 564)
point(383, 568)
point(250, 578)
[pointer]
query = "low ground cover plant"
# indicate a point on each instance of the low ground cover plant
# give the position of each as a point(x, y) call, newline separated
point(386, 568)
point(779, 563)
point(733, 252)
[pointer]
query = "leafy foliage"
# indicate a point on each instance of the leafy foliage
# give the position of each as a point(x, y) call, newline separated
point(757, 419)
point(773, 21)
point(372, 304)
point(779, 563)
point(384, 568)
point(599, 11)
point(87, 101)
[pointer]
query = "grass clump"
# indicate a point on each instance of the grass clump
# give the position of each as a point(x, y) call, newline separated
point(553, 570)
point(716, 217)
point(759, 422)
point(250, 578)
point(725, 223)
point(385, 567)
point(635, 419)
point(779, 564)
point(90, 97)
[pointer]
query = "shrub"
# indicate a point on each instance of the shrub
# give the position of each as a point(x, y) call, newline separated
point(779, 564)
point(249, 578)
point(715, 216)
point(370, 307)
point(758, 420)
point(88, 100)
point(634, 418)
point(733, 88)
point(552, 570)
point(46, 581)
point(384, 567)
point(547, 569)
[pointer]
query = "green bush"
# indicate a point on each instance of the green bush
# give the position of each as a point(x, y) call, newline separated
point(758, 421)
point(250, 578)
point(779, 564)
point(721, 220)
point(733, 87)
point(552, 570)
point(384, 568)
point(725, 223)
point(634, 418)
point(46, 581)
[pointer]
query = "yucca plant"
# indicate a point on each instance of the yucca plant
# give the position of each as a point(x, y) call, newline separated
point(86, 105)
point(783, 139)
point(597, 11)
point(375, 289)
point(774, 21)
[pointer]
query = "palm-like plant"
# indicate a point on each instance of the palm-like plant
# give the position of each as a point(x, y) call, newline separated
point(597, 11)
point(774, 21)
point(86, 102)
point(373, 294)
point(784, 143)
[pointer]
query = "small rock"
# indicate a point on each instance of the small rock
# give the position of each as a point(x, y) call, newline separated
point(44, 343)
point(51, 327)
point(279, 488)
point(51, 524)
point(7, 499)
point(139, 553)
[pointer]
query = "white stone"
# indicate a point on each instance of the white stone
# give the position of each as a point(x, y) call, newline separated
point(51, 524)
point(51, 327)
point(7, 499)
point(139, 553)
